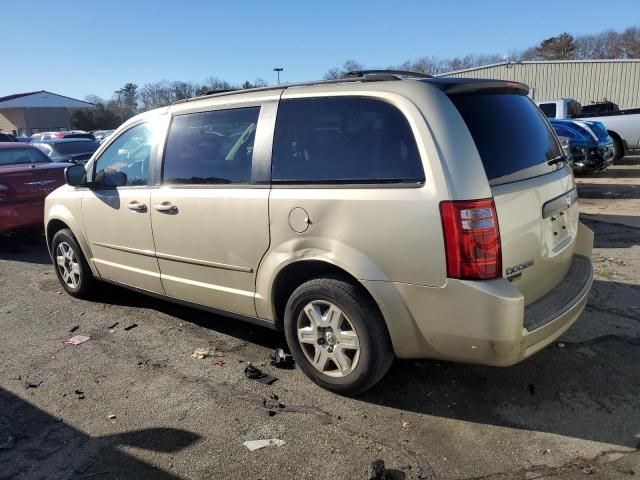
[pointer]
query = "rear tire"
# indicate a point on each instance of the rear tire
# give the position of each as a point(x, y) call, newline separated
point(337, 335)
point(71, 266)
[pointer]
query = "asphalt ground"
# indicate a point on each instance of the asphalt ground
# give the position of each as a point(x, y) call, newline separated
point(134, 404)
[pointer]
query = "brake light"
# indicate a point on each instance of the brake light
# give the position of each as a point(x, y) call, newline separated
point(472, 239)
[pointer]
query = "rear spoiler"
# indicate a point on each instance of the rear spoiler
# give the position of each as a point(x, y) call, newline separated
point(462, 86)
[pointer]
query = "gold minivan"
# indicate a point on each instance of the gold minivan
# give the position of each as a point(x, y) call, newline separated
point(386, 214)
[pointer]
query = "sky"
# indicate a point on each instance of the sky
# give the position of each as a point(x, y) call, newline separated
point(80, 48)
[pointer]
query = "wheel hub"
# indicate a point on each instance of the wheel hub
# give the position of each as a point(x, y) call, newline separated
point(330, 338)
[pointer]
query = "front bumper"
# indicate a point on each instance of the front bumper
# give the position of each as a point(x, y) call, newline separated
point(592, 159)
point(485, 322)
point(20, 216)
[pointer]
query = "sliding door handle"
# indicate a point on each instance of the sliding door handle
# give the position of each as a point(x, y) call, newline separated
point(166, 207)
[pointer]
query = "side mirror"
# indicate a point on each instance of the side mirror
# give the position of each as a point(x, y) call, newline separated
point(76, 176)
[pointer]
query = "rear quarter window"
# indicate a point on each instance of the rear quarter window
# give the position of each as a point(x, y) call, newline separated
point(510, 133)
point(346, 140)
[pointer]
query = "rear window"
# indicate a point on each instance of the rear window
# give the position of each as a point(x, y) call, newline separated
point(343, 140)
point(549, 109)
point(71, 148)
point(510, 133)
point(15, 156)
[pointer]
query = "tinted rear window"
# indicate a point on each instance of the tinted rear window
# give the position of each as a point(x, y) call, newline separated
point(71, 148)
point(344, 140)
point(510, 133)
point(549, 109)
point(15, 156)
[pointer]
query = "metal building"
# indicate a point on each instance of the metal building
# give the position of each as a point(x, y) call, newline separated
point(587, 81)
point(33, 112)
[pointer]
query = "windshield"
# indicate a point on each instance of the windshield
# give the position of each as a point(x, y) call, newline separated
point(16, 156)
point(71, 148)
point(510, 133)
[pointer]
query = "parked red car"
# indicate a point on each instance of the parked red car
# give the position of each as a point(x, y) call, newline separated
point(27, 176)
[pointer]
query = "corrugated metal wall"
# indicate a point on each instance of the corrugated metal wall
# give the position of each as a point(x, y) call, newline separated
point(587, 81)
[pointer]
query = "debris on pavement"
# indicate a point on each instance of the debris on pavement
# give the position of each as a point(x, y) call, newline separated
point(280, 359)
point(272, 402)
point(406, 424)
point(74, 328)
point(133, 325)
point(219, 362)
point(202, 353)
point(377, 471)
point(113, 326)
point(111, 417)
point(77, 340)
point(253, 373)
point(32, 383)
point(80, 394)
point(256, 444)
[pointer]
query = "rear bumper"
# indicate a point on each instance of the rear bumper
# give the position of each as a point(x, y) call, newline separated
point(485, 322)
point(21, 215)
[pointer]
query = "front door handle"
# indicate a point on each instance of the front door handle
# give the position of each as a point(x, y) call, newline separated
point(137, 206)
point(166, 207)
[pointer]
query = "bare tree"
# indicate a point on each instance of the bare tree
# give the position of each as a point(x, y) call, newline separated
point(348, 66)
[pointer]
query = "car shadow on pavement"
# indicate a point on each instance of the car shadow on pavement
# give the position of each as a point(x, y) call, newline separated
point(239, 329)
point(608, 233)
point(608, 191)
point(587, 389)
point(27, 247)
point(34, 444)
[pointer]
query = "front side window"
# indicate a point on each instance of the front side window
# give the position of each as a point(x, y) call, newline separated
point(126, 161)
point(211, 147)
point(343, 140)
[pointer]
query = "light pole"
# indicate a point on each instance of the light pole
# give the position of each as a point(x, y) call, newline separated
point(119, 93)
point(278, 70)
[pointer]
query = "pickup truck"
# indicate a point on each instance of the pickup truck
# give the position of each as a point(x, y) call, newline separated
point(623, 125)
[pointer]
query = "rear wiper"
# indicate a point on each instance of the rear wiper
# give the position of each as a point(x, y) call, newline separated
point(558, 159)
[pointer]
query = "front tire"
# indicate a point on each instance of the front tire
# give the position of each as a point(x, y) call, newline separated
point(618, 147)
point(71, 266)
point(337, 335)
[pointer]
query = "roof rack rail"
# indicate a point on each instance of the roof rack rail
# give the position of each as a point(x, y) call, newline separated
point(392, 73)
point(355, 76)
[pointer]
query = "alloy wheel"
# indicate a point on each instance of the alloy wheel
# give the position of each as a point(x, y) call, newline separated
point(68, 265)
point(328, 338)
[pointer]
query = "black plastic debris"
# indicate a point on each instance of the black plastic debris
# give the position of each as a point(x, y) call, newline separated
point(377, 471)
point(133, 325)
point(280, 359)
point(253, 373)
point(74, 328)
point(113, 326)
point(273, 403)
point(80, 394)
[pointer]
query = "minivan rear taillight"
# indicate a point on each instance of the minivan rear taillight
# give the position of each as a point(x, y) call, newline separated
point(472, 239)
